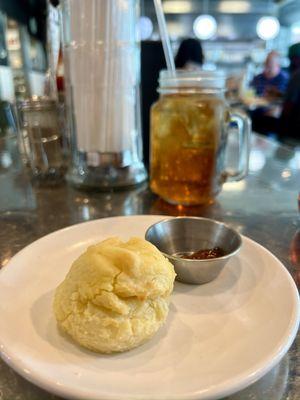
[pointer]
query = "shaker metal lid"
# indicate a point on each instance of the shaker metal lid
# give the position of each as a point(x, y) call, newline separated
point(201, 79)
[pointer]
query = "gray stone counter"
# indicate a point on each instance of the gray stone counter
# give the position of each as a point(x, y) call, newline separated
point(263, 207)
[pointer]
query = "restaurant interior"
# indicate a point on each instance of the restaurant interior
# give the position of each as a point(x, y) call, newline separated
point(237, 37)
point(149, 199)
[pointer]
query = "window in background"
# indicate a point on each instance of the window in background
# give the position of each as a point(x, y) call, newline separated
point(6, 79)
point(15, 57)
point(295, 32)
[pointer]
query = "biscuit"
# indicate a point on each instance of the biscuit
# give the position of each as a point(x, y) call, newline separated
point(115, 296)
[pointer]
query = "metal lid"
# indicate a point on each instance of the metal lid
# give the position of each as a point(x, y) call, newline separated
point(37, 103)
point(192, 79)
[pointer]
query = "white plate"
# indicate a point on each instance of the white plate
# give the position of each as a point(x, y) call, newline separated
point(218, 339)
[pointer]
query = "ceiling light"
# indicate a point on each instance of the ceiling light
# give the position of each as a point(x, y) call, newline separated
point(177, 7)
point(295, 32)
point(234, 7)
point(205, 27)
point(267, 28)
point(145, 28)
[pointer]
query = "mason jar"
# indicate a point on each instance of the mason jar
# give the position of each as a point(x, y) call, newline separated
point(190, 124)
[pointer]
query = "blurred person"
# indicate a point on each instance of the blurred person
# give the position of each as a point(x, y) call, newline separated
point(190, 55)
point(294, 56)
point(152, 62)
point(290, 116)
point(271, 85)
point(272, 82)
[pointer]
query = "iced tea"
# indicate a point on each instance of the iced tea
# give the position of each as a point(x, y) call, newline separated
point(188, 136)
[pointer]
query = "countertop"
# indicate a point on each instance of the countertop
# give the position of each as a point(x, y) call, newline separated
point(264, 207)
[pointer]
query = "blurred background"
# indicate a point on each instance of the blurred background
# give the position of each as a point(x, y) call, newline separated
point(236, 36)
point(233, 44)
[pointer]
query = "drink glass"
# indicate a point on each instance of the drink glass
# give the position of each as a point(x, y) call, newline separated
point(190, 124)
point(41, 131)
point(9, 151)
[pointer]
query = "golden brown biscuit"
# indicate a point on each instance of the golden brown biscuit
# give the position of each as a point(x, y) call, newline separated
point(115, 296)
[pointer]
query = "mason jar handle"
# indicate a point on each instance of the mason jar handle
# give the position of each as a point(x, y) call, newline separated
point(244, 131)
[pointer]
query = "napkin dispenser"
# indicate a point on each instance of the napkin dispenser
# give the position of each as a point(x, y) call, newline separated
point(102, 73)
